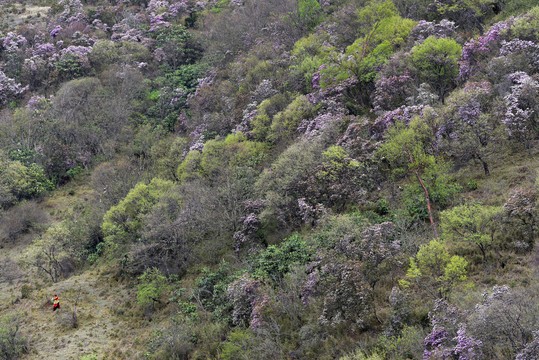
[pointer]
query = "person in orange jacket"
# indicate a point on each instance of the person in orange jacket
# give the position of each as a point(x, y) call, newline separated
point(55, 303)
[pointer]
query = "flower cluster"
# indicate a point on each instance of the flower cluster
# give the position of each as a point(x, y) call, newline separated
point(424, 29)
point(13, 42)
point(245, 294)
point(77, 53)
point(392, 92)
point(9, 89)
point(475, 51)
point(522, 106)
point(46, 49)
point(402, 114)
point(39, 103)
point(247, 235)
point(527, 49)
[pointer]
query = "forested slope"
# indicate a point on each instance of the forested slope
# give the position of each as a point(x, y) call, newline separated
point(278, 179)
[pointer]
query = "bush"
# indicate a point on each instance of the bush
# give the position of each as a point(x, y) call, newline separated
point(275, 261)
point(505, 320)
point(51, 253)
point(436, 61)
point(21, 220)
point(280, 184)
point(123, 222)
point(12, 343)
point(19, 182)
point(152, 288)
point(435, 271)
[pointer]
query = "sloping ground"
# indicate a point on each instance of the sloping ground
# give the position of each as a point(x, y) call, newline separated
point(107, 326)
point(16, 14)
point(101, 325)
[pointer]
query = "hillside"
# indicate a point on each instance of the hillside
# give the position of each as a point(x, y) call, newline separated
point(281, 179)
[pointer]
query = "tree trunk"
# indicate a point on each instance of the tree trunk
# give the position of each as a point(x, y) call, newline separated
point(427, 198)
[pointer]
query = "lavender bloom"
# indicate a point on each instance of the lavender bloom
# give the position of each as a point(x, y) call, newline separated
point(467, 348)
point(9, 89)
point(403, 114)
point(476, 50)
point(522, 106)
point(54, 32)
point(424, 29)
point(44, 49)
point(13, 42)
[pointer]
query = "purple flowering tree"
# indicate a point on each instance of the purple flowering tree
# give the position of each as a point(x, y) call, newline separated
point(246, 295)
point(73, 61)
point(477, 51)
point(504, 321)
point(522, 108)
point(392, 92)
point(470, 126)
point(424, 29)
point(449, 338)
point(401, 115)
point(9, 89)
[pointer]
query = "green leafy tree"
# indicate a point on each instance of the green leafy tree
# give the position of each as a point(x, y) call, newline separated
point(308, 14)
point(152, 288)
point(384, 32)
point(51, 254)
point(19, 181)
point(123, 222)
point(12, 343)
point(178, 45)
point(435, 270)
point(405, 149)
point(472, 224)
point(286, 122)
point(436, 61)
point(275, 261)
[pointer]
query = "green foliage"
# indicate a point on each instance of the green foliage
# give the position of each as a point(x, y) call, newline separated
point(335, 161)
point(89, 357)
point(436, 61)
point(435, 270)
point(211, 291)
point(279, 184)
point(19, 181)
point(359, 354)
point(527, 26)
point(178, 45)
point(408, 345)
point(169, 154)
point(123, 222)
point(384, 33)
point(232, 152)
point(221, 155)
point(440, 184)
point(275, 261)
point(105, 53)
point(307, 56)
point(152, 288)
point(471, 224)
point(51, 253)
point(406, 146)
point(285, 123)
point(265, 111)
point(236, 345)
point(309, 13)
point(70, 67)
point(12, 343)
point(189, 168)
point(333, 228)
